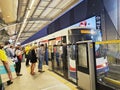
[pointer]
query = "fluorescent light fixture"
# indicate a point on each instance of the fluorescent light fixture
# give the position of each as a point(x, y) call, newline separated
point(26, 16)
point(31, 5)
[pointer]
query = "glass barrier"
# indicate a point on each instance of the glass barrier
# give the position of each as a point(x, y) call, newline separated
point(82, 55)
point(107, 54)
point(71, 52)
point(58, 60)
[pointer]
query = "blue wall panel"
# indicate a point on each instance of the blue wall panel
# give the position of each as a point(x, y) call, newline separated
point(39, 34)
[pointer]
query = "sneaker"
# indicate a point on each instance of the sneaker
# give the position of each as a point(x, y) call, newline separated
point(42, 71)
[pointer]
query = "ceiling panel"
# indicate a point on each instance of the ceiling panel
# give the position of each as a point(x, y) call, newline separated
point(54, 13)
point(38, 12)
point(46, 11)
point(64, 3)
point(54, 3)
point(41, 14)
point(35, 25)
point(40, 7)
point(44, 3)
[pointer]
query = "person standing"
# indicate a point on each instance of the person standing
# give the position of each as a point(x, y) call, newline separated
point(9, 50)
point(18, 53)
point(46, 54)
point(27, 49)
point(33, 59)
point(4, 59)
point(40, 54)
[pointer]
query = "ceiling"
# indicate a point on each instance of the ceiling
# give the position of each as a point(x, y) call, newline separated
point(20, 19)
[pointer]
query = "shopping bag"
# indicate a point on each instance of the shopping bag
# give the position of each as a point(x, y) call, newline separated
point(3, 72)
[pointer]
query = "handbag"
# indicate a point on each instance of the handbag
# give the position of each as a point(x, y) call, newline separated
point(20, 57)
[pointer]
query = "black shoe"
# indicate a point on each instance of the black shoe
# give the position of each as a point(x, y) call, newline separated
point(9, 82)
point(19, 74)
point(40, 71)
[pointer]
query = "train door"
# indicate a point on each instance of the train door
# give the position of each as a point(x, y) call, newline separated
point(86, 66)
point(58, 61)
point(71, 57)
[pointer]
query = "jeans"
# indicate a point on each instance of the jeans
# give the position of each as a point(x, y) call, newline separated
point(40, 63)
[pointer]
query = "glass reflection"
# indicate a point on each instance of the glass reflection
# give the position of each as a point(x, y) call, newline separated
point(58, 60)
point(71, 62)
point(108, 64)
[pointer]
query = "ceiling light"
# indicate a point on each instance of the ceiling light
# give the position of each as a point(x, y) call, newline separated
point(24, 21)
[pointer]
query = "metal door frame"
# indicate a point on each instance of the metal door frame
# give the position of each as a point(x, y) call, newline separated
point(91, 64)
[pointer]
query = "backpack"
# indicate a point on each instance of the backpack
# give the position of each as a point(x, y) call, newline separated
point(8, 52)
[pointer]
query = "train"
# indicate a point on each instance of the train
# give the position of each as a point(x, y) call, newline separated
point(68, 37)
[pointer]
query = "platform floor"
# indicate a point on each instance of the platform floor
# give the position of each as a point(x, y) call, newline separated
point(47, 80)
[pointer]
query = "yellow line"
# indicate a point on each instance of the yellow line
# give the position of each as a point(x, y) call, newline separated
point(112, 81)
point(108, 42)
point(69, 84)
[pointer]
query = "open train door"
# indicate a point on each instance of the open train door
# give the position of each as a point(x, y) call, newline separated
point(86, 65)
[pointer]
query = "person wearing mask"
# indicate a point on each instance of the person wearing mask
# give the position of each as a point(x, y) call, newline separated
point(4, 59)
point(18, 53)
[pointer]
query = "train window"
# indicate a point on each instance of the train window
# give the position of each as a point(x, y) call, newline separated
point(71, 52)
point(82, 55)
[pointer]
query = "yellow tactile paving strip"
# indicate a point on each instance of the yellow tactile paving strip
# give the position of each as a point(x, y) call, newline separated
point(67, 83)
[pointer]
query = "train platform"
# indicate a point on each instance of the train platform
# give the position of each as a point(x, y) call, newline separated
point(47, 80)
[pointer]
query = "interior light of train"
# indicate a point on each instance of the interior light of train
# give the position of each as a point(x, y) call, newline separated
point(92, 32)
point(85, 31)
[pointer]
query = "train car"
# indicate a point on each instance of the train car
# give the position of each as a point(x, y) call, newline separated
point(82, 34)
point(72, 35)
